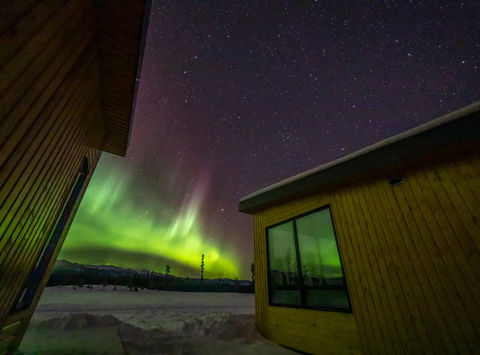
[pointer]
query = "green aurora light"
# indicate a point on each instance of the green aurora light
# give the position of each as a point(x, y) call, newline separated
point(109, 228)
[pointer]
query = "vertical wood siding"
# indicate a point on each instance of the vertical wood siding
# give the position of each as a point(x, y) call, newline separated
point(411, 256)
point(306, 330)
point(50, 118)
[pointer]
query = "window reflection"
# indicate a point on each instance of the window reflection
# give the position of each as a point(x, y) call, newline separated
point(285, 288)
point(320, 283)
point(321, 270)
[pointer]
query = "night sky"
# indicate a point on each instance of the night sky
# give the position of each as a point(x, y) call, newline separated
point(236, 95)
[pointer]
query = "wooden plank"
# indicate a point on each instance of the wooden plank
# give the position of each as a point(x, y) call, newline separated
point(431, 282)
point(443, 261)
point(468, 185)
point(126, 12)
point(458, 269)
point(18, 159)
point(52, 147)
point(27, 260)
point(6, 195)
point(12, 11)
point(306, 343)
point(111, 79)
point(23, 69)
point(10, 329)
point(19, 179)
point(368, 267)
point(64, 135)
point(113, 30)
point(39, 200)
point(317, 326)
point(389, 285)
point(117, 29)
point(458, 213)
point(119, 95)
point(408, 296)
point(123, 67)
point(351, 268)
point(27, 315)
point(42, 105)
point(73, 171)
point(363, 297)
point(49, 213)
point(261, 288)
point(17, 34)
point(118, 122)
point(113, 47)
point(442, 198)
point(40, 93)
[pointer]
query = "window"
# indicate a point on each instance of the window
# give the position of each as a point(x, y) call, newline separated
point(304, 267)
point(25, 299)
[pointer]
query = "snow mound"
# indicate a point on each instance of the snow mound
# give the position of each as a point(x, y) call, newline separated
point(100, 320)
point(206, 333)
point(78, 321)
point(221, 325)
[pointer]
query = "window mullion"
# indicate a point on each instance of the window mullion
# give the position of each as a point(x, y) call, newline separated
point(299, 265)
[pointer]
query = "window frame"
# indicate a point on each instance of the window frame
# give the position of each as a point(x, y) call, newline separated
point(299, 265)
point(32, 284)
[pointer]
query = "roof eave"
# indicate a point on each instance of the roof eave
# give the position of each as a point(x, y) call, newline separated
point(452, 128)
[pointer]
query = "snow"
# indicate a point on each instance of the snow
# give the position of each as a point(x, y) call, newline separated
point(103, 321)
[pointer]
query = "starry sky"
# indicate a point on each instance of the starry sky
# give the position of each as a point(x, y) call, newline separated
point(236, 95)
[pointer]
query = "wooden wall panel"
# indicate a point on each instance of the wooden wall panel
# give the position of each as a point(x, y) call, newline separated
point(119, 44)
point(68, 81)
point(306, 330)
point(411, 256)
point(51, 117)
point(261, 291)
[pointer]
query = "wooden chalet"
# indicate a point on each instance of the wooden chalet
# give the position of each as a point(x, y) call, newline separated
point(377, 252)
point(68, 80)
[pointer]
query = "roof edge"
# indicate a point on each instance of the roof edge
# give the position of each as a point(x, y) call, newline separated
point(141, 50)
point(423, 136)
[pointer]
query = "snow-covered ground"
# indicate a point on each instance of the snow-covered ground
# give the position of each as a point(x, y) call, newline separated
point(103, 321)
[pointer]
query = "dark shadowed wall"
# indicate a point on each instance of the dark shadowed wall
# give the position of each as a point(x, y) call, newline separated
point(67, 87)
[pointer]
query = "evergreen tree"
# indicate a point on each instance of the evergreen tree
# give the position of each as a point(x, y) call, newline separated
point(202, 267)
point(167, 269)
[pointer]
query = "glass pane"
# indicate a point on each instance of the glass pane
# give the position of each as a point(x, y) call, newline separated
point(321, 270)
point(284, 282)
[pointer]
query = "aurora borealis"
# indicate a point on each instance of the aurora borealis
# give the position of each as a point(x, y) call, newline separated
point(109, 228)
point(234, 96)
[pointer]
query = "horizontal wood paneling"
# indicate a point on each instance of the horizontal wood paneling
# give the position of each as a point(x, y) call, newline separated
point(411, 256)
point(56, 107)
point(13, 12)
point(51, 115)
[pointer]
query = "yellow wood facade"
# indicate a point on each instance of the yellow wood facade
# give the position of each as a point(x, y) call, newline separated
point(411, 258)
point(66, 92)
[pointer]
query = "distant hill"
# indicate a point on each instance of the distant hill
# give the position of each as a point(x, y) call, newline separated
point(65, 266)
point(68, 273)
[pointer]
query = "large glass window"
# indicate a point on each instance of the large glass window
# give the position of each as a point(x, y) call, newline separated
point(304, 265)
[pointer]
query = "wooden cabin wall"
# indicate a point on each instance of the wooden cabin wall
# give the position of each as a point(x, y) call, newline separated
point(411, 256)
point(50, 119)
point(311, 331)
